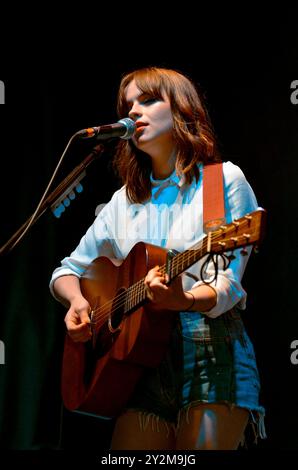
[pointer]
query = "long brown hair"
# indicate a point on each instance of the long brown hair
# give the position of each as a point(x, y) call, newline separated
point(192, 130)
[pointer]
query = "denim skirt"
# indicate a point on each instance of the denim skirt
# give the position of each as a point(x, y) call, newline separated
point(208, 361)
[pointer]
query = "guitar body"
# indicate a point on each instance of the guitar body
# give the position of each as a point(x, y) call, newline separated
point(99, 376)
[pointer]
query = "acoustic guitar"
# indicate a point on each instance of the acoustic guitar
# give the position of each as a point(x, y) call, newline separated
point(128, 333)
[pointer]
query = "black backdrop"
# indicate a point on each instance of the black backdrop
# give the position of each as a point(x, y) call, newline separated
point(246, 73)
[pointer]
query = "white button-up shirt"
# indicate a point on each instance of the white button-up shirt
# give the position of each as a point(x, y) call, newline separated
point(172, 218)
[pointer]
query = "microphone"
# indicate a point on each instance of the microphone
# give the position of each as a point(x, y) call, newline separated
point(125, 129)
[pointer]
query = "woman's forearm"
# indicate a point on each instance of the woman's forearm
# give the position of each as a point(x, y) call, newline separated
point(201, 299)
point(66, 288)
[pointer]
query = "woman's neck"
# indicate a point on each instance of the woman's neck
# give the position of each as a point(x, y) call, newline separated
point(163, 167)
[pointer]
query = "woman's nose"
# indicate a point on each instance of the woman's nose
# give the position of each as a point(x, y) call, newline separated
point(135, 111)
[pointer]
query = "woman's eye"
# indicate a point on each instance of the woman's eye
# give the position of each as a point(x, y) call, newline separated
point(149, 100)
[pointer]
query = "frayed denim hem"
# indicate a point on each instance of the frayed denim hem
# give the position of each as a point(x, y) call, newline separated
point(256, 420)
point(144, 419)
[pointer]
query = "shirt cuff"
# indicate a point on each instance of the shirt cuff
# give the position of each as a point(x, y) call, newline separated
point(228, 295)
point(58, 273)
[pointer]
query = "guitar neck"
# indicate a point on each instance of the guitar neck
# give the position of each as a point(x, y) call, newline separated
point(182, 261)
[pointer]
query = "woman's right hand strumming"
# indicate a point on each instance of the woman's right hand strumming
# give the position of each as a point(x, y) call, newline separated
point(77, 319)
point(67, 289)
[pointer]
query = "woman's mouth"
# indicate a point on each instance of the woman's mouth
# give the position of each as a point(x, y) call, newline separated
point(141, 126)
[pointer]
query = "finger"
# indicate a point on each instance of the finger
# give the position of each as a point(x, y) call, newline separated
point(155, 276)
point(84, 314)
point(152, 272)
point(73, 327)
point(149, 292)
point(158, 281)
point(80, 332)
point(85, 318)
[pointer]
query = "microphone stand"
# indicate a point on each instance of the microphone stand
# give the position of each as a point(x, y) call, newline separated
point(54, 200)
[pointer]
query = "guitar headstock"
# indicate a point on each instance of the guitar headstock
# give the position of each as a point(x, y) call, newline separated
point(248, 230)
point(64, 199)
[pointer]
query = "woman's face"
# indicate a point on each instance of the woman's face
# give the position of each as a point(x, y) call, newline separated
point(153, 117)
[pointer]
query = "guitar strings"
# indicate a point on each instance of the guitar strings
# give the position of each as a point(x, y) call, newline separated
point(137, 292)
point(138, 289)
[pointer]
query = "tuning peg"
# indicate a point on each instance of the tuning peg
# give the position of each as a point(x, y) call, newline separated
point(244, 252)
point(231, 257)
point(79, 188)
point(66, 202)
point(58, 210)
point(72, 195)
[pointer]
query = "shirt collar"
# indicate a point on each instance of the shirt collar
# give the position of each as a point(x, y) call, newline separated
point(172, 179)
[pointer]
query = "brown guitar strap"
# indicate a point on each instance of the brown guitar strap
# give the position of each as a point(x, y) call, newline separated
point(213, 197)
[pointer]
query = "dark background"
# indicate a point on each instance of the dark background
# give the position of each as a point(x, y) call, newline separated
point(245, 68)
